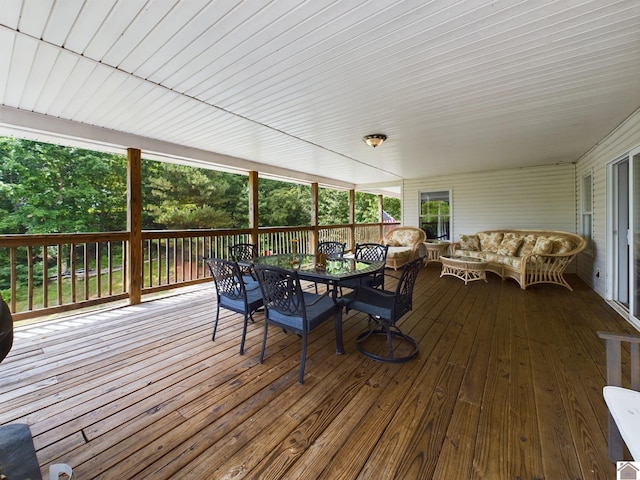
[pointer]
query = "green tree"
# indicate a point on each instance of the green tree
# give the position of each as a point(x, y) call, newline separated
point(366, 206)
point(393, 206)
point(46, 188)
point(283, 204)
point(333, 207)
point(180, 197)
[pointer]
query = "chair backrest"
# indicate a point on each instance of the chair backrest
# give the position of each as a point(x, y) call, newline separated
point(227, 277)
point(6, 329)
point(374, 252)
point(406, 284)
point(371, 251)
point(331, 249)
point(281, 290)
point(241, 252)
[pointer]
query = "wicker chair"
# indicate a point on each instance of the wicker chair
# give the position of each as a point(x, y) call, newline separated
point(233, 294)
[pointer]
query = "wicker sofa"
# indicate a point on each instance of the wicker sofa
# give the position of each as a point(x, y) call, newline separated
point(404, 244)
point(528, 256)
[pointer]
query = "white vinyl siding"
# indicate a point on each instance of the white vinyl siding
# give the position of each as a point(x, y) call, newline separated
point(531, 198)
point(618, 143)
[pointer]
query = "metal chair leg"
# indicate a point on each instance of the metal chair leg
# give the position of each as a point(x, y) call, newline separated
point(389, 332)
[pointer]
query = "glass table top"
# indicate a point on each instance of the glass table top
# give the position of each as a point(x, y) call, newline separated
point(333, 269)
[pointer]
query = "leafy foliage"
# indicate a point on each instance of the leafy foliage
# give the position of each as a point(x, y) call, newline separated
point(283, 204)
point(177, 197)
point(46, 188)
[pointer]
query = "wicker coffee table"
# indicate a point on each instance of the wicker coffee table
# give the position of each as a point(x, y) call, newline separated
point(464, 268)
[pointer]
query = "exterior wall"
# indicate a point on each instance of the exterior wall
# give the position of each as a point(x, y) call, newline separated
point(534, 198)
point(617, 144)
point(546, 197)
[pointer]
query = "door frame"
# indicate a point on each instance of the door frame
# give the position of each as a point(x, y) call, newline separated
point(632, 158)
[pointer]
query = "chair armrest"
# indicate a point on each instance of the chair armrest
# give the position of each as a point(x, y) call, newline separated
point(319, 298)
point(376, 291)
point(391, 275)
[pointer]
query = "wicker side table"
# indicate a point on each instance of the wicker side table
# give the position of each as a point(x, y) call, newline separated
point(434, 250)
point(464, 268)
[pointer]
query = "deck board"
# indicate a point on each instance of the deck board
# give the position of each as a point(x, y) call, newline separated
point(507, 385)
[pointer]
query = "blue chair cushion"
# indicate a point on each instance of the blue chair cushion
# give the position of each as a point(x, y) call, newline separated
point(316, 312)
point(375, 302)
point(254, 300)
point(250, 282)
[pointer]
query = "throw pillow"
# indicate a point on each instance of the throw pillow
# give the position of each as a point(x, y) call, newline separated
point(470, 243)
point(562, 245)
point(509, 245)
point(528, 242)
point(543, 245)
point(490, 241)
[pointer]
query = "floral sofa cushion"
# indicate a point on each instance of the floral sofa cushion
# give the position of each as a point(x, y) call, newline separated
point(403, 245)
point(562, 245)
point(490, 241)
point(543, 245)
point(404, 236)
point(470, 242)
point(510, 244)
point(511, 261)
point(528, 242)
point(505, 251)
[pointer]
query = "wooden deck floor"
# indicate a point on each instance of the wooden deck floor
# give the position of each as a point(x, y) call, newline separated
point(507, 385)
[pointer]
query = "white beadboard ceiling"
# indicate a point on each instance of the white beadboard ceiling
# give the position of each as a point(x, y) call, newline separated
point(291, 87)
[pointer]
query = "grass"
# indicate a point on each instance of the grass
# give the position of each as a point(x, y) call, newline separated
point(66, 297)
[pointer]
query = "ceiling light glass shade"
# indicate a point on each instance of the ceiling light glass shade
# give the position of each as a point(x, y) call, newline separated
point(374, 140)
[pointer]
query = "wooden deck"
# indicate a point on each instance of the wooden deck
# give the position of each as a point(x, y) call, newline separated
point(507, 385)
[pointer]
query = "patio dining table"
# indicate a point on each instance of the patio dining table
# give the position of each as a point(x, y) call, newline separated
point(330, 271)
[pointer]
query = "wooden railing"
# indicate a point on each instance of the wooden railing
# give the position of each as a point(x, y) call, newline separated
point(175, 258)
point(61, 272)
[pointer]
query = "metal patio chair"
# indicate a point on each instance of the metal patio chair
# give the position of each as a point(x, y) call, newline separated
point(372, 252)
point(244, 253)
point(331, 249)
point(233, 294)
point(385, 309)
point(291, 309)
point(6, 329)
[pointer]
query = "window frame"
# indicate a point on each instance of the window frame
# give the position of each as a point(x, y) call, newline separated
point(586, 210)
point(437, 195)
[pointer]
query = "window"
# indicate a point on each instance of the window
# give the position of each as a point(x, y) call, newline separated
point(435, 214)
point(586, 210)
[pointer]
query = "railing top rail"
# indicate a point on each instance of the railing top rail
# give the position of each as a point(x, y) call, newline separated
point(21, 240)
point(151, 234)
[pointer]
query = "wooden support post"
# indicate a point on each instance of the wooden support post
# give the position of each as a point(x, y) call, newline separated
point(315, 235)
point(253, 209)
point(352, 220)
point(134, 224)
point(381, 216)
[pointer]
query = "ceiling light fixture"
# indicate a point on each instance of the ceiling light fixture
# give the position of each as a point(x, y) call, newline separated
point(374, 140)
